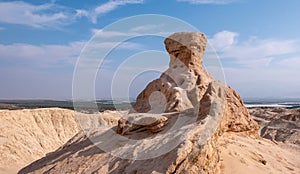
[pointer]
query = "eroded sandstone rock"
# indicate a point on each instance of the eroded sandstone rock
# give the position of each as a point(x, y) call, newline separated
point(174, 126)
point(279, 124)
point(184, 82)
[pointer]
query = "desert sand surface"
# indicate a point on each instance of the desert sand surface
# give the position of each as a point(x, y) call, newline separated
point(29, 134)
point(24, 140)
point(242, 154)
point(277, 152)
point(239, 153)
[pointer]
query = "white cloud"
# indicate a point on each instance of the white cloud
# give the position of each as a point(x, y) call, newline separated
point(289, 63)
point(109, 6)
point(107, 34)
point(41, 55)
point(208, 1)
point(45, 15)
point(276, 81)
point(81, 13)
point(223, 40)
point(252, 52)
point(260, 48)
point(53, 15)
point(134, 31)
point(259, 67)
point(143, 28)
point(50, 55)
point(120, 45)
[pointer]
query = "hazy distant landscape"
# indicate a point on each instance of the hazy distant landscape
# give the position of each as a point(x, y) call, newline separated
point(84, 106)
point(123, 105)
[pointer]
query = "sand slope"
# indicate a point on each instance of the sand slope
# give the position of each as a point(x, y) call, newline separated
point(242, 154)
point(27, 135)
point(239, 153)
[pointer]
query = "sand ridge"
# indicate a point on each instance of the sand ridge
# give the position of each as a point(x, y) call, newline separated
point(29, 134)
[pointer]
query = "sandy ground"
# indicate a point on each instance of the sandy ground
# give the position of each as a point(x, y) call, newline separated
point(242, 154)
point(29, 134)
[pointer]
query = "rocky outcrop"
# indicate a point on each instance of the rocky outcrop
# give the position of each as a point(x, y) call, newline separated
point(27, 135)
point(174, 126)
point(184, 83)
point(278, 124)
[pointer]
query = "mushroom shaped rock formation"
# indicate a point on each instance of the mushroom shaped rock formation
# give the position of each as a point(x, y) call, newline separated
point(184, 83)
point(175, 123)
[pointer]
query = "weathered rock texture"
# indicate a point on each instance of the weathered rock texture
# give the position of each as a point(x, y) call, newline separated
point(27, 135)
point(279, 124)
point(185, 108)
point(185, 81)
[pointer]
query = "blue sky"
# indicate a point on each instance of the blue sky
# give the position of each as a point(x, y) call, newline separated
point(258, 42)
